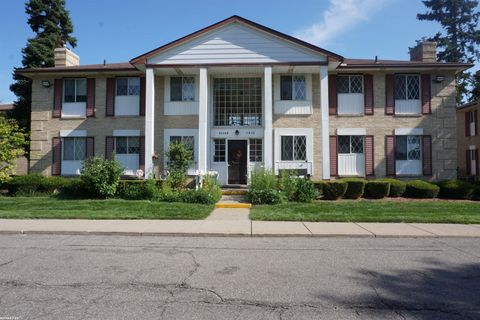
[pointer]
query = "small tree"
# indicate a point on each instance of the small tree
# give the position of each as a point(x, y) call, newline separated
point(101, 177)
point(179, 159)
point(12, 143)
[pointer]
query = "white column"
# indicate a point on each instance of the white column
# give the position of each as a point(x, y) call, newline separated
point(325, 122)
point(149, 121)
point(268, 129)
point(203, 120)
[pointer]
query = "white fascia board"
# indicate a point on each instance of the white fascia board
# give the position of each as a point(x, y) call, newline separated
point(73, 133)
point(351, 132)
point(126, 133)
point(409, 131)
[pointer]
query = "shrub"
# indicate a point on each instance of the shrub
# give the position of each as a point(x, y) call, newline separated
point(168, 195)
point(455, 189)
point(201, 195)
point(397, 187)
point(35, 184)
point(263, 188)
point(421, 189)
point(101, 177)
point(333, 190)
point(377, 189)
point(304, 190)
point(177, 180)
point(148, 189)
point(355, 188)
point(74, 189)
point(286, 184)
point(318, 185)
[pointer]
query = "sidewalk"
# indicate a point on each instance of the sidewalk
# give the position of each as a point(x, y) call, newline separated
point(218, 225)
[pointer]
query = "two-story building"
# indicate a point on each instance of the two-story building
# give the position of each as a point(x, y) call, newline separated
point(468, 141)
point(242, 95)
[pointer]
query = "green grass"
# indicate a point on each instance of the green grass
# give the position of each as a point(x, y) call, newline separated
point(53, 208)
point(371, 211)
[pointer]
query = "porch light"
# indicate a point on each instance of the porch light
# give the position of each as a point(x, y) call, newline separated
point(439, 78)
point(46, 84)
point(237, 132)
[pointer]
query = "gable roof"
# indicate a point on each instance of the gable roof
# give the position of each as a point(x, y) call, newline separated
point(143, 58)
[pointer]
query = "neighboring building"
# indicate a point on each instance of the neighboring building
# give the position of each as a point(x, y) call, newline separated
point(468, 141)
point(243, 95)
point(21, 166)
point(5, 107)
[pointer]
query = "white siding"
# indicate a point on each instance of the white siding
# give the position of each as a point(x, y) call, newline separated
point(350, 103)
point(74, 109)
point(292, 106)
point(351, 164)
point(127, 105)
point(236, 43)
point(409, 167)
point(407, 106)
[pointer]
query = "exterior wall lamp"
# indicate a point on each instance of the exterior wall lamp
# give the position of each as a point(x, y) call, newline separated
point(46, 84)
point(438, 78)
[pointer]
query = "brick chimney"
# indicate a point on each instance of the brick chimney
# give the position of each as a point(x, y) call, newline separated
point(425, 51)
point(65, 57)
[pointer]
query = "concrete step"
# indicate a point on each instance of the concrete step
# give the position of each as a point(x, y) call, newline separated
point(234, 191)
point(233, 198)
point(233, 205)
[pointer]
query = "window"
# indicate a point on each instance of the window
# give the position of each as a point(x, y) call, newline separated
point(73, 149)
point(188, 141)
point(182, 88)
point(350, 144)
point(407, 87)
point(256, 150)
point(294, 148)
point(350, 84)
point(75, 90)
point(237, 101)
point(472, 154)
point(292, 88)
point(471, 123)
point(128, 86)
point(127, 145)
point(407, 148)
point(219, 154)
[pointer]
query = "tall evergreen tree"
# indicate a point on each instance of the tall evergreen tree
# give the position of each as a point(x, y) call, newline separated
point(51, 23)
point(460, 39)
point(475, 96)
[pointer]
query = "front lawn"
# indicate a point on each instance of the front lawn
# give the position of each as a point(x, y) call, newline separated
point(53, 208)
point(436, 211)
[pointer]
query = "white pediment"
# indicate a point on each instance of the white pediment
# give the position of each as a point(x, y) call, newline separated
point(236, 43)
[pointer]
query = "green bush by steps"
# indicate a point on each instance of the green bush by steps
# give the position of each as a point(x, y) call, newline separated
point(397, 187)
point(333, 190)
point(421, 189)
point(455, 189)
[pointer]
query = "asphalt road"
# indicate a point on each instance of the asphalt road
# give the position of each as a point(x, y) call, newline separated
point(110, 277)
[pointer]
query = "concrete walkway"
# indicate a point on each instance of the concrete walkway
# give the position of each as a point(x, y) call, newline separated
point(235, 224)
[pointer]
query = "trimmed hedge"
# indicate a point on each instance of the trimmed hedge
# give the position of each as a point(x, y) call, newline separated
point(455, 189)
point(355, 188)
point(397, 187)
point(318, 185)
point(35, 184)
point(333, 190)
point(421, 189)
point(377, 189)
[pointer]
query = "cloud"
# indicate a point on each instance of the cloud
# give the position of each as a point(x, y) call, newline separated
point(340, 16)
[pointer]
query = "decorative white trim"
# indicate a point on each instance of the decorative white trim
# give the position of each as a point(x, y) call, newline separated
point(351, 132)
point(293, 106)
point(230, 133)
point(409, 131)
point(126, 133)
point(73, 133)
point(472, 147)
point(203, 121)
point(178, 108)
point(279, 132)
point(325, 122)
point(268, 126)
point(149, 121)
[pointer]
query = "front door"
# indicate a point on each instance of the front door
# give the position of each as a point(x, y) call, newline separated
point(237, 161)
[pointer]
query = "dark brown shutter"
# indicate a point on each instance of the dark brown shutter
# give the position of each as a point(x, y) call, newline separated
point(426, 94)
point(475, 121)
point(390, 155)
point(57, 98)
point(477, 173)
point(468, 163)
point(369, 156)
point(90, 97)
point(368, 93)
point(109, 147)
point(390, 98)
point(333, 156)
point(89, 147)
point(56, 156)
point(427, 155)
point(142, 96)
point(141, 156)
point(332, 94)
point(467, 124)
point(110, 103)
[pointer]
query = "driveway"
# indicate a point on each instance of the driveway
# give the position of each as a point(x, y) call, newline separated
point(114, 277)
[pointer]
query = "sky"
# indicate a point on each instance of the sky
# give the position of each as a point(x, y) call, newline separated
point(119, 30)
